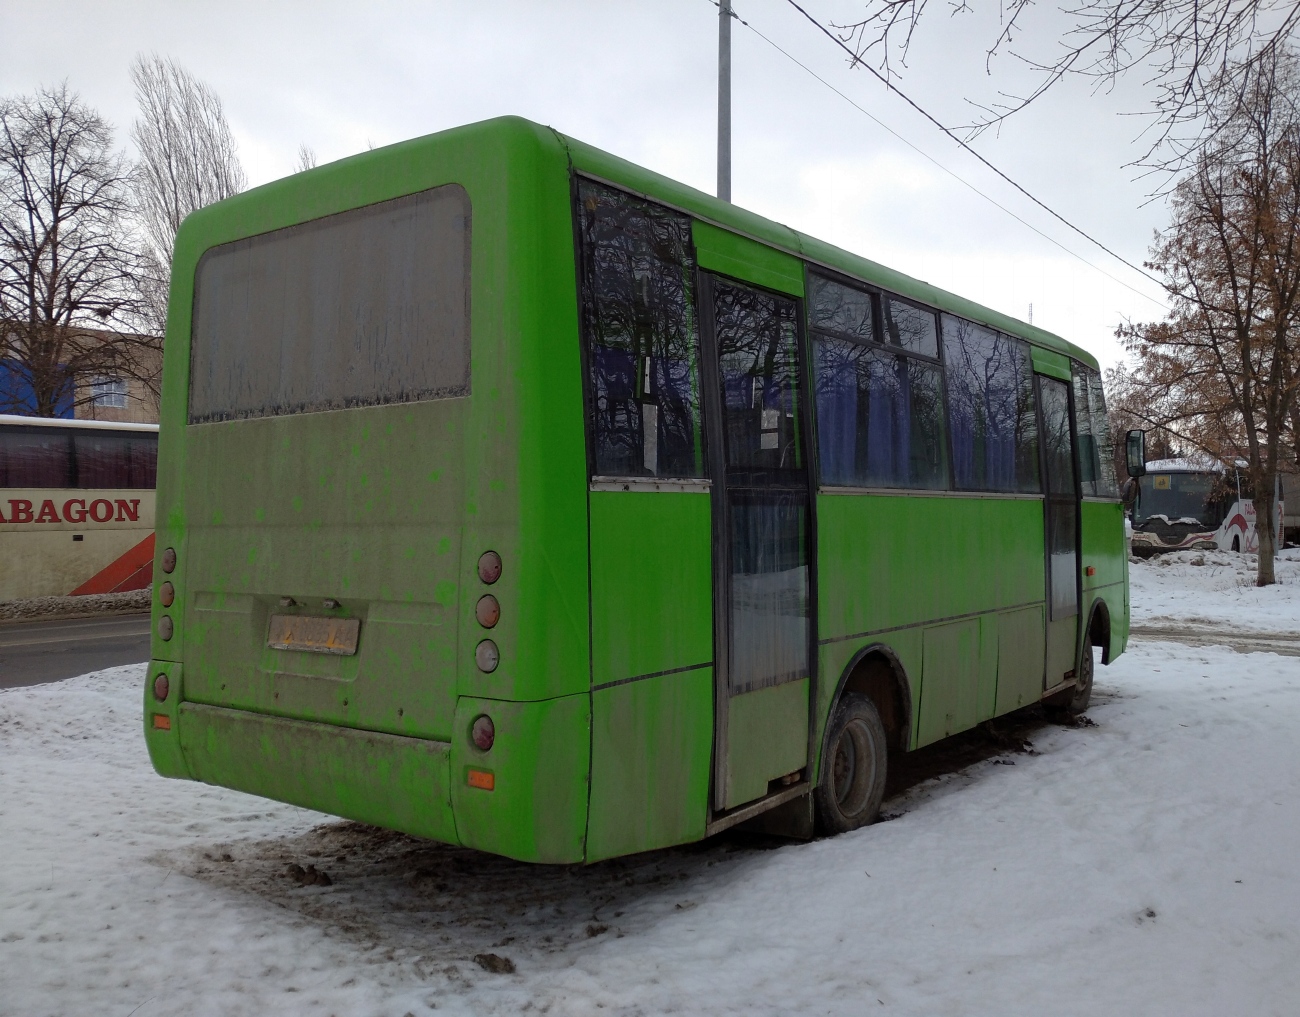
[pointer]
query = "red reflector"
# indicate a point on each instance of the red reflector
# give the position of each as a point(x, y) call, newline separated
point(481, 779)
point(1090, 571)
point(162, 722)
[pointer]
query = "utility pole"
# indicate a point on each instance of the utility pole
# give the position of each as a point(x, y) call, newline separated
point(724, 99)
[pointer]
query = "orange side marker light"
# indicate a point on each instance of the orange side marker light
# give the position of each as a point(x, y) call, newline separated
point(162, 722)
point(1091, 570)
point(481, 779)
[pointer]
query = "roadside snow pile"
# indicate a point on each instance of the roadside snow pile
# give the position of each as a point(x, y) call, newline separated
point(1142, 865)
point(1215, 589)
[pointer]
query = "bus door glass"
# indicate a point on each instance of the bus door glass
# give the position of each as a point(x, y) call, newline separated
point(761, 534)
point(1062, 528)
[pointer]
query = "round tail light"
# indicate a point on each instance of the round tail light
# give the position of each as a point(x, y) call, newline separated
point(166, 594)
point(487, 611)
point(483, 733)
point(487, 656)
point(169, 560)
point(489, 567)
point(165, 628)
point(161, 686)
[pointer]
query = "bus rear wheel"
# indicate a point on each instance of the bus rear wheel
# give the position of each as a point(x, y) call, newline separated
point(1075, 701)
point(852, 784)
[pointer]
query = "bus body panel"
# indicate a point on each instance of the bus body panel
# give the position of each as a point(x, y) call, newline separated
point(651, 671)
point(922, 562)
point(40, 558)
point(367, 776)
point(651, 748)
point(536, 808)
point(1102, 538)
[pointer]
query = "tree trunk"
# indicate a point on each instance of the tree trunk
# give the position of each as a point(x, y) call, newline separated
point(1265, 510)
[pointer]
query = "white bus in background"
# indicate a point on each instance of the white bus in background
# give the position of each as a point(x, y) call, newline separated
point(1186, 504)
point(76, 506)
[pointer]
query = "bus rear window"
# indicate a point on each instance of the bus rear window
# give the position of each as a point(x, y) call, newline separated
point(362, 308)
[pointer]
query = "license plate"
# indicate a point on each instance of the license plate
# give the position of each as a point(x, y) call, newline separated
point(315, 635)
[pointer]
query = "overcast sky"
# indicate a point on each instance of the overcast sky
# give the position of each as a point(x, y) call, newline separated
point(638, 78)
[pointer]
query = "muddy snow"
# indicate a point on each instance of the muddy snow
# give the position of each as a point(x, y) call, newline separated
point(1140, 865)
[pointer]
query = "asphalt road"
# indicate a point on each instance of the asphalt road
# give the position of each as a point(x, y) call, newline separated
point(32, 653)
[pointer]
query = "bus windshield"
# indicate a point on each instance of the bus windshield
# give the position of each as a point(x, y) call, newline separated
point(1179, 497)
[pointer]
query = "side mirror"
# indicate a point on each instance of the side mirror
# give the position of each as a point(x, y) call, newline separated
point(1135, 453)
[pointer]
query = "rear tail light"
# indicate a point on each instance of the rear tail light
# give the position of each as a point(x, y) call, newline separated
point(169, 560)
point(487, 611)
point(161, 686)
point(166, 594)
point(489, 567)
point(487, 656)
point(483, 733)
point(165, 628)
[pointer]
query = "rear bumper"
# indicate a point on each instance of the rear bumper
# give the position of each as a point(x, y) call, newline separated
point(536, 810)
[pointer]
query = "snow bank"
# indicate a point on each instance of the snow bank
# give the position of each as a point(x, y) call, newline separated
point(1142, 865)
point(1215, 589)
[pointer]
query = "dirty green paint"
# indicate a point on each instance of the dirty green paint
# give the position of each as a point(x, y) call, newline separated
point(1051, 363)
point(1020, 658)
point(387, 509)
point(651, 583)
point(767, 737)
point(537, 811)
point(731, 254)
point(651, 745)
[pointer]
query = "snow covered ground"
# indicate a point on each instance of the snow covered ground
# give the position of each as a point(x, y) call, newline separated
point(1144, 865)
point(1215, 590)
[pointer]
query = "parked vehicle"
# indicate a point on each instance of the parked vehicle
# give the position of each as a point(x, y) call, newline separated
point(1189, 504)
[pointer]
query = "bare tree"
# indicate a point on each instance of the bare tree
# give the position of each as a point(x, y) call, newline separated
point(306, 158)
point(1222, 368)
point(68, 269)
point(187, 160)
point(1192, 51)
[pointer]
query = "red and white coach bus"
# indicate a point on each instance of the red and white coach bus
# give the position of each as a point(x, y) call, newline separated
point(76, 509)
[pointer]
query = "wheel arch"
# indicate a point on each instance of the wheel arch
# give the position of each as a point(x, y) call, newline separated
point(876, 672)
point(1099, 628)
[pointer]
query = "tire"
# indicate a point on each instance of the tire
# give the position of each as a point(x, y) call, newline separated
point(852, 783)
point(1075, 701)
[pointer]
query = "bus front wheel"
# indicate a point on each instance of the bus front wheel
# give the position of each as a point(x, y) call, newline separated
point(852, 784)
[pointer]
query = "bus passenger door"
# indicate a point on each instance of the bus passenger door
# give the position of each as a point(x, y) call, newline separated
point(761, 509)
point(1061, 507)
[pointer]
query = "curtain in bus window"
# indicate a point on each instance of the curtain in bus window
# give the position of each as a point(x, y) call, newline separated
point(769, 588)
point(116, 460)
point(641, 336)
point(759, 368)
point(990, 409)
point(363, 308)
point(879, 418)
point(1106, 486)
point(35, 457)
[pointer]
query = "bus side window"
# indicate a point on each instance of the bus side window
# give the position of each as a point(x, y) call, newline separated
point(641, 336)
point(30, 458)
point(1086, 449)
point(990, 409)
point(879, 412)
point(113, 461)
point(1106, 486)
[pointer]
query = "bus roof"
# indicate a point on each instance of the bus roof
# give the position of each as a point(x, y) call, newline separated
point(281, 202)
point(13, 419)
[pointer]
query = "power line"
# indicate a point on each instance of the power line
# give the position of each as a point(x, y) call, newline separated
point(956, 176)
point(857, 60)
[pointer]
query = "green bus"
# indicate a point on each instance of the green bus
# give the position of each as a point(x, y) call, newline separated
point(517, 497)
